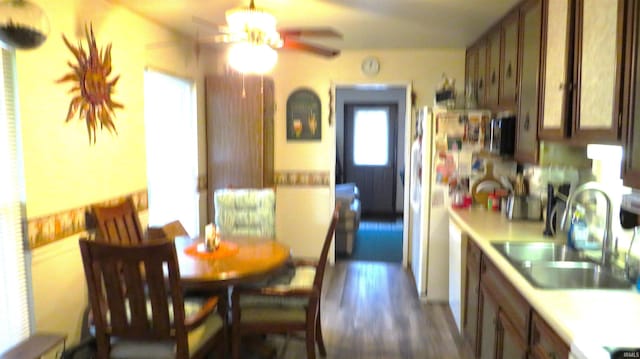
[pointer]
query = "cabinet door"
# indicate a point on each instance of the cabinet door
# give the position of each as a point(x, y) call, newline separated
point(527, 128)
point(511, 344)
point(557, 87)
point(598, 56)
point(483, 51)
point(545, 343)
point(493, 75)
point(471, 72)
point(631, 175)
point(509, 63)
point(471, 295)
point(487, 325)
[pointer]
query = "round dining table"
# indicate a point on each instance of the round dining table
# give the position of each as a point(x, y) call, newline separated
point(240, 260)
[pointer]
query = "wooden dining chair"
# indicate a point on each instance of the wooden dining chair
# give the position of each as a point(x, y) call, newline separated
point(142, 314)
point(118, 224)
point(284, 306)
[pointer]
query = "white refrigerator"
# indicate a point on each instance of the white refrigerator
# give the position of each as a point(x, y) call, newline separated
point(429, 193)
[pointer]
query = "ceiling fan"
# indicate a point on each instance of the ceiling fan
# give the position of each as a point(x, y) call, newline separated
point(254, 26)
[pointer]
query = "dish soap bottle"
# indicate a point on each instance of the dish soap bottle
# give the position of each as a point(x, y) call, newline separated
point(578, 235)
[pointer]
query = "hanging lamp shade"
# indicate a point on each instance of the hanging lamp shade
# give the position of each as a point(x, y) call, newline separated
point(248, 58)
point(23, 24)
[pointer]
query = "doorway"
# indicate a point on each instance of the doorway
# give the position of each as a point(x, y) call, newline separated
point(371, 125)
point(370, 156)
point(172, 154)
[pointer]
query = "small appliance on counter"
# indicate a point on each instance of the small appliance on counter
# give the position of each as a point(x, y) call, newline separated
point(556, 200)
point(500, 135)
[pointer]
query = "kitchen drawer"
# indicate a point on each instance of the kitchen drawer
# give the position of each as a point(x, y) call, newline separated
point(545, 343)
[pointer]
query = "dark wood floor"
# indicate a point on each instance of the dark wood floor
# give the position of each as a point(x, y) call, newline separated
point(370, 310)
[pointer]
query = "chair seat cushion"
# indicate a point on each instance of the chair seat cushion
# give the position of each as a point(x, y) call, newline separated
point(301, 279)
point(133, 349)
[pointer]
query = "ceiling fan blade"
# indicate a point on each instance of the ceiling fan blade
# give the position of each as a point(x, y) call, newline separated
point(293, 44)
point(310, 31)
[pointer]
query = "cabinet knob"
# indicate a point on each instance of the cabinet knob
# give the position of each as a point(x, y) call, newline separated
point(526, 122)
point(509, 71)
point(480, 84)
point(493, 77)
point(561, 87)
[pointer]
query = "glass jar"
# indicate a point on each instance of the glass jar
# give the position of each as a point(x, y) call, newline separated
point(23, 24)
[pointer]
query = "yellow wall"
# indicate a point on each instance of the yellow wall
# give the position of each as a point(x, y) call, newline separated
point(62, 171)
point(303, 212)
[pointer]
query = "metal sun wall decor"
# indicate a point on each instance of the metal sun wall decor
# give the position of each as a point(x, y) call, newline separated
point(92, 89)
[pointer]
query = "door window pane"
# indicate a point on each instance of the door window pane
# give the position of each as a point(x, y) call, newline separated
point(371, 137)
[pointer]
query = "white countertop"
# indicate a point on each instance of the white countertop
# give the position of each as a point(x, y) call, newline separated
point(587, 319)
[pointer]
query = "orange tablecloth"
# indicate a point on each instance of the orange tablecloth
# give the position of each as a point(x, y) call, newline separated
point(225, 249)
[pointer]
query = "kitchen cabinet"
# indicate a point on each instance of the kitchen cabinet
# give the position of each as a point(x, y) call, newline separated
point(483, 50)
point(509, 315)
point(493, 68)
point(487, 324)
point(471, 296)
point(509, 62)
point(498, 321)
point(597, 70)
point(631, 94)
point(471, 73)
point(545, 343)
point(556, 90)
point(511, 345)
point(527, 115)
point(239, 113)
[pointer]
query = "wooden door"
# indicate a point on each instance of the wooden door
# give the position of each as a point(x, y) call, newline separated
point(557, 58)
point(487, 325)
point(471, 72)
point(493, 75)
point(370, 154)
point(631, 96)
point(509, 63)
point(239, 132)
point(483, 51)
point(510, 344)
point(598, 58)
point(527, 116)
point(471, 295)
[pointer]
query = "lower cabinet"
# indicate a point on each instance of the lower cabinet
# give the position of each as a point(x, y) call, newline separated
point(545, 343)
point(499, 323)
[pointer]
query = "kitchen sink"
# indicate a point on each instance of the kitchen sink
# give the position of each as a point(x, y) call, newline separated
point(555, 266)
point(568, 275)
point(537, 251)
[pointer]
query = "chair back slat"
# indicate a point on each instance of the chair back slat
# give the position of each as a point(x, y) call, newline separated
point(158, 297)
point(322, 262)
point(123, 279)
point(118, 224)
point(134, 288)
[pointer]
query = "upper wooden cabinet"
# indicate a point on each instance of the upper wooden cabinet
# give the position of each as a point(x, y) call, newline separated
point(631, 96)
point(528, 104)
point(556, 89)
point(509, 62)
point(598, 43)
point(493, 70)
point(481, 83)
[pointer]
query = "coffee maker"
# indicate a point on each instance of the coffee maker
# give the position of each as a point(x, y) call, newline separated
point(556, 202)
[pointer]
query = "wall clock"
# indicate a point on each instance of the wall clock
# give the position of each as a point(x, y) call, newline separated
point(370, 65)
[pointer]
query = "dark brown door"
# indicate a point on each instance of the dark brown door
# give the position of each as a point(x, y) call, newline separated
point(370, 154)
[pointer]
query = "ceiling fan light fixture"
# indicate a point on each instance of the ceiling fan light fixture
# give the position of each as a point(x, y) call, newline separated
point(248, 58)
point(253, 25)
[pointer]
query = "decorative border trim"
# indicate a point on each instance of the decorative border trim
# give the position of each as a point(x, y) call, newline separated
point(302, 178)
point(47, 229)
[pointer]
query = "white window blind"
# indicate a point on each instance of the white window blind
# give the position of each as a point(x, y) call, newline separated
point(14, 307)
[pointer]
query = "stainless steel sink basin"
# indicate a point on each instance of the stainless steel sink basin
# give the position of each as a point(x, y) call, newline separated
point(537, 251)
point(567, 275)
point(555, 266)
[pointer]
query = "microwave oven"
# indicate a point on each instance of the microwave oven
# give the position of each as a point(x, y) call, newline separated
point(500, 135)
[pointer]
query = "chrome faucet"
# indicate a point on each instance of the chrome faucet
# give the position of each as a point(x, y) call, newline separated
point(608, 250)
